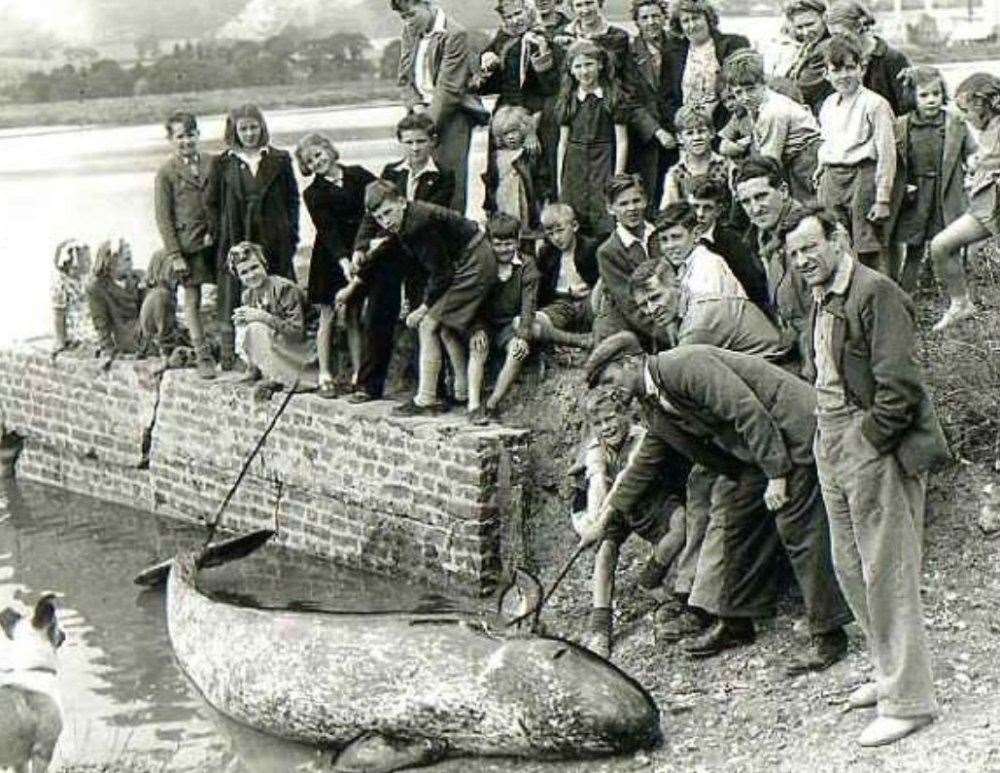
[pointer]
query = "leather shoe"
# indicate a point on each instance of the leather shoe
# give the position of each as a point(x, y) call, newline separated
point(863, 697)
point(687, 623)
point(886, 730)
point(824, 650)
point(723, 635)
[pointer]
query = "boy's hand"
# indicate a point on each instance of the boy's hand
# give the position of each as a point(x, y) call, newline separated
point(479, 342)
point(531, 144)
point(519, 349)
point(591, 532)
point(817, 176)
point(179, 266)
point(488, 61)
point(415, 317)
point(776, 494)
point(878, 212)
point(342, 297)
point(666, 139)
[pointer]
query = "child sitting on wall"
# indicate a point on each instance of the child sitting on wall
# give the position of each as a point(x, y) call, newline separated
point(505, 317)
point(71, 323)
point(270, 325)
point(659, 518)
point(158, 314)
point(114, 291)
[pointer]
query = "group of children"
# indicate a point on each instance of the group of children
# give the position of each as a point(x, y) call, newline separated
point(568, 254)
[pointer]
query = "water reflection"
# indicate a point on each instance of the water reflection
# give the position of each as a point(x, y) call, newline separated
point(122, 690)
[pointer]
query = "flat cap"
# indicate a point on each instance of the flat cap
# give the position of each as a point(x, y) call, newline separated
point(609, 350)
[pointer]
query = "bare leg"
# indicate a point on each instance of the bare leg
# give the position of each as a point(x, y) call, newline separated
point(671, 543)
point(945, 255)
point(508, 374)
point(352, 322)
point(430, 361)
point(324, 341)
point(544, 330)
point(458, 358)
point(477, 372)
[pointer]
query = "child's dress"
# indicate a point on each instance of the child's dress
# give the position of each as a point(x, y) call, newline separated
point(985, 177)
point(589, 162)
point(284, 353)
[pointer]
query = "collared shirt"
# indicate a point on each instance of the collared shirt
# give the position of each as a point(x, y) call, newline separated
point(830, 394)
point(569, 281)
point(628, 238)
point(707, 275)
point(506, 270)
point(412, 178)
point(582, 93)
point(423, 67)
point(783, 128)
point(336, 176)
point(860, 128)
point(252, 160)
point(575, 29)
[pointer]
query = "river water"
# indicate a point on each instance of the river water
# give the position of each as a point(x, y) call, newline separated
point(122, 692)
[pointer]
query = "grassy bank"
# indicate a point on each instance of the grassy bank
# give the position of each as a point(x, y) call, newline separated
point(152, 108)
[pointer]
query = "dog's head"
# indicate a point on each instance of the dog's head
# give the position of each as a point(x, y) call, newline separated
point(30, 643)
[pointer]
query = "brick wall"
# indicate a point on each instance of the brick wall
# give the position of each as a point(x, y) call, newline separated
point(431, 499)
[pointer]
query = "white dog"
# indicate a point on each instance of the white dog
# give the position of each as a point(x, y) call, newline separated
point(30, 711)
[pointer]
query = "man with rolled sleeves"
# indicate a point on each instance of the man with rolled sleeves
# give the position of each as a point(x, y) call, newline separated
point(752, 423)
point(877, 438)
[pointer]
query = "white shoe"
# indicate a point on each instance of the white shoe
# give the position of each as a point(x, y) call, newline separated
point(956, 313)
point(863, 697)
point(886, 730)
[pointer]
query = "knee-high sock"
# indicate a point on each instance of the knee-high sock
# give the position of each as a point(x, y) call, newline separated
point(430, 365)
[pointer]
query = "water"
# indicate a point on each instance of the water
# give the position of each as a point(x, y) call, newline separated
point(122, 692)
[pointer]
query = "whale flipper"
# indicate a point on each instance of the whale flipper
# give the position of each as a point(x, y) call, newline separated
point(376, 753)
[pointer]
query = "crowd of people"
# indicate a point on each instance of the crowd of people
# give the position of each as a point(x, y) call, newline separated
point(734, 236)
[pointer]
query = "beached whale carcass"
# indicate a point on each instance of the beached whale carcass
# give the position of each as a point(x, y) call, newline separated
point(392, 690)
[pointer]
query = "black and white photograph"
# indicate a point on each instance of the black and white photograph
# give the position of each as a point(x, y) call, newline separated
point(487, 386)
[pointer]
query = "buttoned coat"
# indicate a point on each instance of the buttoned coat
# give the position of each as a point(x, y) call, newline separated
point(267, 215)
point(951, 196)
point(724, 46)
point(182, 217)
point(872, 346)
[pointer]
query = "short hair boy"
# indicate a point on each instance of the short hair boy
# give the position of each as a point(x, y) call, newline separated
point(695, 133)
point(783, 129)
point(857, 156)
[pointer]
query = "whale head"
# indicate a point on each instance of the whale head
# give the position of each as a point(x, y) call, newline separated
point(559, 700)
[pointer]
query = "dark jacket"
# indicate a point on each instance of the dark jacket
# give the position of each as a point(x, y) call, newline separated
point(724, 46)
point(179, 199)
point(515, 298)
point(740, 254)
point(432, 187)
point(754, 410)
point(616, 262)
point(884, 64)
point(809, 74)
point(951, 196)
point(872, 347)
point(265, 211)
point(541, 77)
point(549, 258)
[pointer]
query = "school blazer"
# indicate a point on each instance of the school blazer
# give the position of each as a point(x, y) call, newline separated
point(451, 59)
point(549, 258)
point(958, 146)
point(433, 187)
point(872, 346)
point(179, 202)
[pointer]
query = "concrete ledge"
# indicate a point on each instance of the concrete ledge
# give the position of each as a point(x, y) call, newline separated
point(430, 499)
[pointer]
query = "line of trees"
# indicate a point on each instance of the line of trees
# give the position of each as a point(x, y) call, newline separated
point(283, 59)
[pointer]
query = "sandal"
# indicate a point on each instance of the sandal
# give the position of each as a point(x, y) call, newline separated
point(327, 389)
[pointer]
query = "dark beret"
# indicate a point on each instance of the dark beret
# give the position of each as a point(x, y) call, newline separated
point(609, 350)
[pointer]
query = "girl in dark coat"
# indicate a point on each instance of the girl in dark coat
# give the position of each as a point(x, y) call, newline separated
point(252, 196)
point(336, 203)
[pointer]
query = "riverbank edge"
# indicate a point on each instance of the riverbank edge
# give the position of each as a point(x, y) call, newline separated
point(428, 500)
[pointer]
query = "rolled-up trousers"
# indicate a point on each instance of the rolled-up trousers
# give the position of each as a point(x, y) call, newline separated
point(736, 574)
point(876, 516)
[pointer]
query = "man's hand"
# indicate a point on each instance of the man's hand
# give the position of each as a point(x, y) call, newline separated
point(776, 494)
point(358, 258)
point(531, 144)
point(878, 212)
point(519, 349)
point(415, 317)
point(479, 343)
point(666, 139)
point(488, 62)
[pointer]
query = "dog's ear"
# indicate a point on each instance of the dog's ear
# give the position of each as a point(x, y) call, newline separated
point(9, 617)
point(45, 611)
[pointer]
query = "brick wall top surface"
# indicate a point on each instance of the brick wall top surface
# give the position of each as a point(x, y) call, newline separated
point(73, 405)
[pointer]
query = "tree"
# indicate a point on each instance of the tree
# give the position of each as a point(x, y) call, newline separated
point(388, 68)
